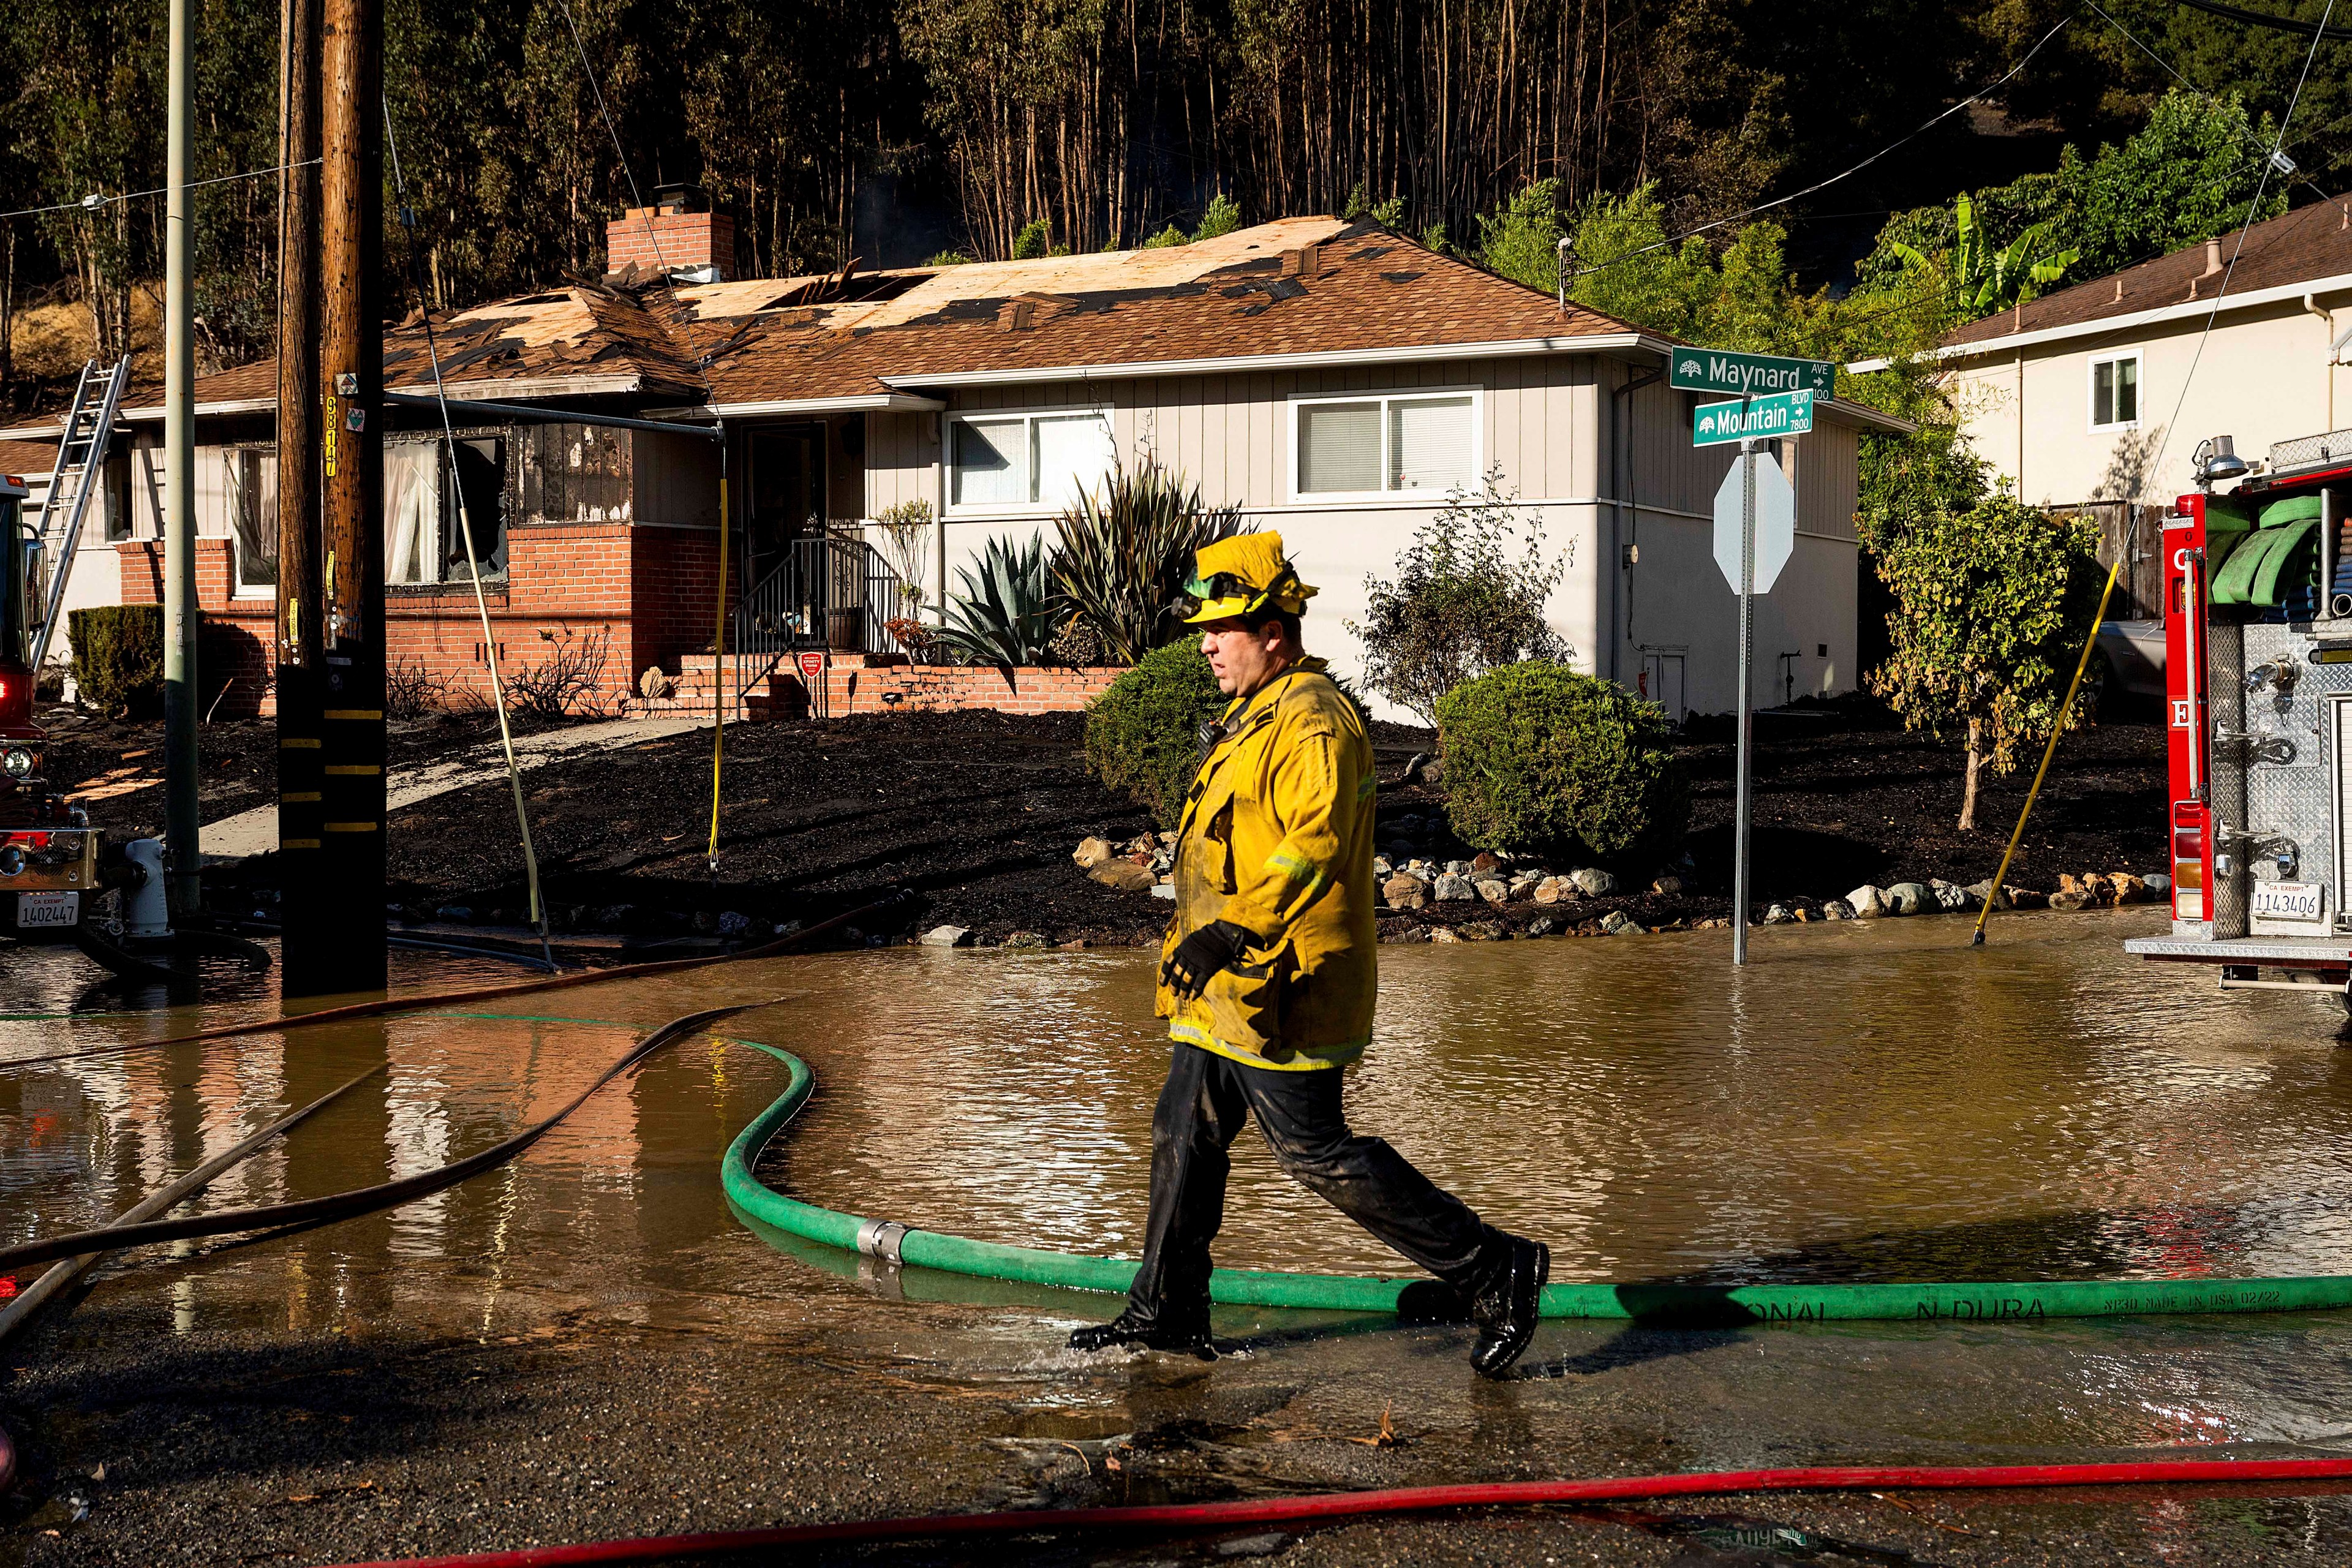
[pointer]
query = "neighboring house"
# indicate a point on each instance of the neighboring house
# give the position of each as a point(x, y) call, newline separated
point(2102, 390)
point(1334, 380)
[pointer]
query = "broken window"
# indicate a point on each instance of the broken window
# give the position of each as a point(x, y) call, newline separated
point(249, 492)
point(422, 540)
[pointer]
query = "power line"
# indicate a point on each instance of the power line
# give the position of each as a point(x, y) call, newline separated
point(2253, 208)
point(2264, 20)
point(1823, 185)
point(95, 200)
point(611, 129)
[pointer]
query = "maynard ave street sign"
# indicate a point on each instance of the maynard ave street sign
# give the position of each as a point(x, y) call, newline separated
point(1789, 413)
point(1743, 375)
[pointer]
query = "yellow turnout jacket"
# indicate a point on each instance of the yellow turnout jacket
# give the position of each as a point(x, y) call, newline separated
point(1276, 837)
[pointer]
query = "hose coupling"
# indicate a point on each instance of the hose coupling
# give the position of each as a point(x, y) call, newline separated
point(882, 1239)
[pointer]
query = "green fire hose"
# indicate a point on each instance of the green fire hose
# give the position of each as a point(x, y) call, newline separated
point(1683, 1304)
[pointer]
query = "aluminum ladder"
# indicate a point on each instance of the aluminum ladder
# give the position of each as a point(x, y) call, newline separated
point(81, 468)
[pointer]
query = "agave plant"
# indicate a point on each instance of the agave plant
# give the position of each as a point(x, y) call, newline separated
point(1005, 614)
point(1123, 557)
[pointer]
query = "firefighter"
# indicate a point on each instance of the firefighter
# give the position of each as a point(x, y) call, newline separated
point(1267, 976)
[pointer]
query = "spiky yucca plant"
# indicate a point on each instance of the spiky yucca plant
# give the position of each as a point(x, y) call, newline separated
point(1123, 557)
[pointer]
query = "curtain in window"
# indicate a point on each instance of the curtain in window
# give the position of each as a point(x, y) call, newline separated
point(1071, 454)
point(251, 491)
point(1340, 447)
point(1429, 445)
point(989, 466)
point(412, 504)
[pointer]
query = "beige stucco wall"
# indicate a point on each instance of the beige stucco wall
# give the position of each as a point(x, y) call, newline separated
point(2263, 377)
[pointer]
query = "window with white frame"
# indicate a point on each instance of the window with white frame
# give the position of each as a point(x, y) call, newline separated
point(1383, 445)
point(249, 490)
point(1023, 462)
point(2115, 392)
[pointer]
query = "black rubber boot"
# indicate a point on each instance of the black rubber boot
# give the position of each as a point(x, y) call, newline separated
point(1187, 1334)
point(1506, 1309)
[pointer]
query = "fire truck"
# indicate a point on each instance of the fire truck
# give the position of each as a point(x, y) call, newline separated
point(50, 873)
point(2258, 698)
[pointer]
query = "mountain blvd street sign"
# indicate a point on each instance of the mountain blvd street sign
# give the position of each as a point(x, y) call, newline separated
point(1746, 375)
point(1756, 418)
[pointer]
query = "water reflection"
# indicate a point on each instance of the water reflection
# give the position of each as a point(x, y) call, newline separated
point(1865, 1103)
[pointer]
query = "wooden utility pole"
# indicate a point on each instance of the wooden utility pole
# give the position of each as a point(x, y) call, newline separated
point(305, 964)
point(350, 378)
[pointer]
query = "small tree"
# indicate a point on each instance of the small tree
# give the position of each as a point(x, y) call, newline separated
point(1991, 607)
point(1122, 555)
point(906, 530)
point(1460, 605)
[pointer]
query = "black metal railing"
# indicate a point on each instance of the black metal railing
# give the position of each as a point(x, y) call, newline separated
point(828, 592)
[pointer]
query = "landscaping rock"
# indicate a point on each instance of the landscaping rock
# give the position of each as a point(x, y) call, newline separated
point(1836, 909)
point(1025, 938)
point(1949, 897)
point(2027, 899)
point(1617, 922)
point(1405, 893)
point(2129, 890)
point(1382, 866)
point(1494, 889)
point(1555, 890)
point(1458, 868)
point(1165, 890)
point(1909, 899)
point(2160, 886)
point(1485, 860)
point(1443, 934)
point(1778, 915)
point(1124, 876)
point(1542, 925)
point(1524, 885)
point(2071, 899)
point(1668, 884)
point(1453, 888)
point(733, 923)
point(1980, 893)
point(1092, 852)
point(1410, 934)
point(1867, 903)
point(946, 936)
point(1593, 882)
point(1484, 930)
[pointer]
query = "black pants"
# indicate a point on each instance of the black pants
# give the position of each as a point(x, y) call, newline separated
point(1201, 1112)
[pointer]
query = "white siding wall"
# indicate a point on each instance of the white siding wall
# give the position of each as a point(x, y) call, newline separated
point(1541, 422)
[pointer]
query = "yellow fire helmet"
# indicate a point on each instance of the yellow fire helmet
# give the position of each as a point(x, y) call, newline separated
point(1241, 576)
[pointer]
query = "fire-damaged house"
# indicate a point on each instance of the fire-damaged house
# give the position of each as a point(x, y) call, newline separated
point(1334, 380)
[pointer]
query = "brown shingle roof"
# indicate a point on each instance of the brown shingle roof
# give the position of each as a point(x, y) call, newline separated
point(1301, 286)
point(22, 457)
point(2300, 246)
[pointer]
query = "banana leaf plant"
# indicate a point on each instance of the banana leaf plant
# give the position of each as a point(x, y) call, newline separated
point(1005, 616)
point(1984, 278)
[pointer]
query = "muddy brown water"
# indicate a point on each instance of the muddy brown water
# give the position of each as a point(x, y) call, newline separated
point(1865, 1101)
point(1869, 1100)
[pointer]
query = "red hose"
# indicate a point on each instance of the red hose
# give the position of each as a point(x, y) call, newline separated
point(1319, 1506)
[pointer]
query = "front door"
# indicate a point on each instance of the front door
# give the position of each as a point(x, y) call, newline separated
point(787, 493)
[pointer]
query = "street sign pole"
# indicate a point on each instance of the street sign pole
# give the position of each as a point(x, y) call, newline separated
point(1746, 699)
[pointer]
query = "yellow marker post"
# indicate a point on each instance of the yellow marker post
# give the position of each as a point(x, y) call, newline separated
point(719, 663)
point(2049, 751)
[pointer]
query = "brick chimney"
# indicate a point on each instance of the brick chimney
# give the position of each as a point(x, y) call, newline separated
point(678, 234)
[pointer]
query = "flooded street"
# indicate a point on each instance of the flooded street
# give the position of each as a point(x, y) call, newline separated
point(1866, 1102)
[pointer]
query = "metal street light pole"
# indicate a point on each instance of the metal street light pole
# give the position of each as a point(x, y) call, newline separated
point(181, 822)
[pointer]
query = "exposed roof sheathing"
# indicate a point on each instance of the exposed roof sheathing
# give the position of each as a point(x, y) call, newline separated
point(1300, 287)
point(2300, 246)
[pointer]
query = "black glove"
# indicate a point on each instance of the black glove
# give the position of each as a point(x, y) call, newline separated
point(1214, 947)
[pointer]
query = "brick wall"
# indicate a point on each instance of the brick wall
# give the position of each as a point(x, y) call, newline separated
point(685, 239)
point(641, 593)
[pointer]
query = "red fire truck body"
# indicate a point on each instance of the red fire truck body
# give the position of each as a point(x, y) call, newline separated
point(2258, 699)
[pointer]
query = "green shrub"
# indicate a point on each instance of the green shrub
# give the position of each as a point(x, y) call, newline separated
point(118, 658)
point(1143, 732)
point(1542, 759)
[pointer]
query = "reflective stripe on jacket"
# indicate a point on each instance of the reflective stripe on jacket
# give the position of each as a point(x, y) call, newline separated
point(1276, 837)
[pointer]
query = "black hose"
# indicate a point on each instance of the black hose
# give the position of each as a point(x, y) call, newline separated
point(359, 1200)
